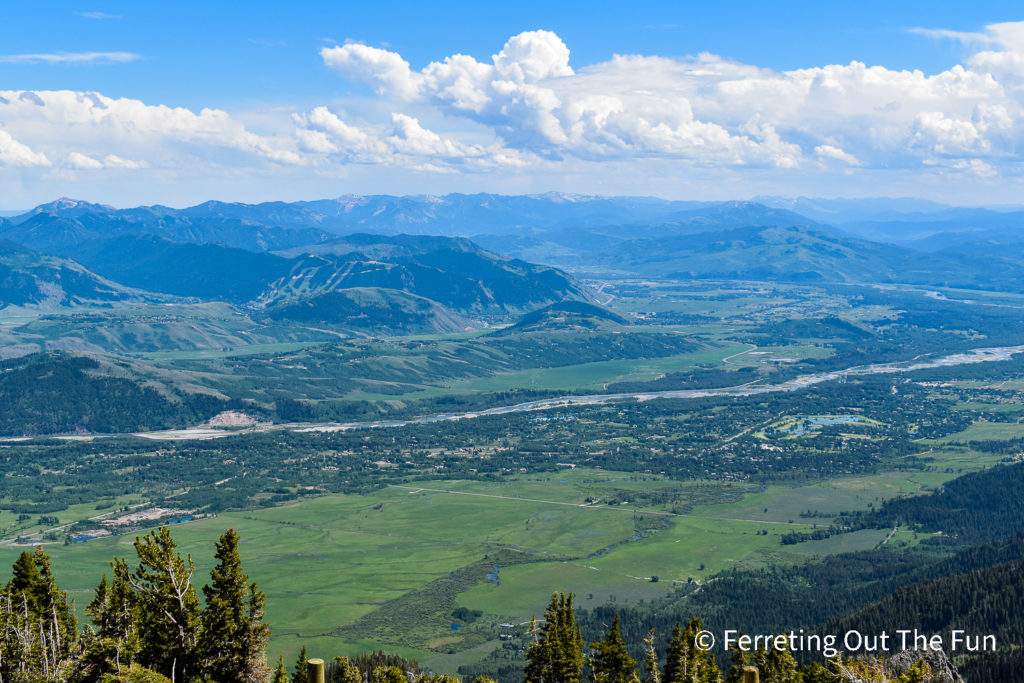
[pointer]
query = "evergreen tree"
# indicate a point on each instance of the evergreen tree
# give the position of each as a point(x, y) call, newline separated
point(686, 663)
point(556, 654)
point(39, 637)
point(234, 635)
point(112, 640)
point(776, 666)
point(26, 582)
point(345, 671)
point(97, 606)
point(256, 636)
point(388, 674)
point(651, 659)
point(301, 667)
point(135, 674)
point(280, 673)
point(54, 601)
point(169, 615)
point(368, 661)
point(610, 661)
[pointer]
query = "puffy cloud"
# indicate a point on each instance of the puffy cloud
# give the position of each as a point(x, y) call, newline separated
point(633, 121)
point(14, 153)
point(104, 132)
point(975, 167)
point(831, 152)
point(1006, 61)
point(81, 161)
point(404, 142)
point(504, 93)
point(322, 131)
point(532, 56)
point(948, 136)
point(537, 104)
point(709, 111)
point(114, 161)
point(409, 137)
point(385, 69)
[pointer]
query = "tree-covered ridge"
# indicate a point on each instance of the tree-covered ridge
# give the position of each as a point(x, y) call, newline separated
point(28, 278)
point(976, 507)
point(370, 309)
point(568, 315)
point(359, 379)
point(984, 602)
point(976, 588)
point(58, 393)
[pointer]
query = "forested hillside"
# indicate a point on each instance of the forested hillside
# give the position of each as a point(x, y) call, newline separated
point(61, 393)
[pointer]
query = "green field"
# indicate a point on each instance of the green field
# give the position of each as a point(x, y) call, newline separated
point(597, 376)
point(582, 376)
point(986, 431)
point(328, 561)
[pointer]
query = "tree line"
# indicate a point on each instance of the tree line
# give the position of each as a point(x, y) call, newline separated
point(148, 626)
point(557, 654)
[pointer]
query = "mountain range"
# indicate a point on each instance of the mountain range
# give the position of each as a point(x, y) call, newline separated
point(28, 278)
point(365, 283)
point(454, 259)
point(266, 226)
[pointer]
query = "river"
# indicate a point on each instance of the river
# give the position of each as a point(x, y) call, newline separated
point(982, 355)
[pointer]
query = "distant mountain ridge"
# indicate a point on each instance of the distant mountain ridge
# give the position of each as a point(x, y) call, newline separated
point(62, 226)
point(270, 226)
point(28, 278)
point(453, 272)
point(282, 225)
point(393, 284)
point(427, 246)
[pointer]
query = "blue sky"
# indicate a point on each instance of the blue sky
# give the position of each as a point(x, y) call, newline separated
point(176, 103)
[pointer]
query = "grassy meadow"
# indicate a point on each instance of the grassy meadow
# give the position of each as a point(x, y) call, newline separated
point(328, 564)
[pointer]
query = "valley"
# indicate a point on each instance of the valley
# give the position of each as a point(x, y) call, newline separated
point(418, 439)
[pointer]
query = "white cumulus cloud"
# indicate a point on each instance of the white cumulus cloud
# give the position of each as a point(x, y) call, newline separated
point(79, 161)
point(14, 153)
point(92, 131)
point(404, 142)
point(709, 111)
point(529, 117)
point(83, 162)
point(832, 152)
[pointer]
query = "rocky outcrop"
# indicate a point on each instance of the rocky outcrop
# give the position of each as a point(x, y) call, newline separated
point(942, 668)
